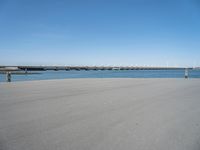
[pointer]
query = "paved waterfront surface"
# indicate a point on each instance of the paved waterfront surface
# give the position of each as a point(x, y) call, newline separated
point(100, 114)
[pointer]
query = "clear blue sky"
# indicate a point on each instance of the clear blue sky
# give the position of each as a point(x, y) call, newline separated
point(100, 32)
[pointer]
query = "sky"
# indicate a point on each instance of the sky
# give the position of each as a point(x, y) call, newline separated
point(100, 32)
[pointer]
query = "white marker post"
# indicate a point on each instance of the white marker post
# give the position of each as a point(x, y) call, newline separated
point(186, 73)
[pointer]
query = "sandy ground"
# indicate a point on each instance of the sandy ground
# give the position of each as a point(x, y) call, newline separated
point(100, 114)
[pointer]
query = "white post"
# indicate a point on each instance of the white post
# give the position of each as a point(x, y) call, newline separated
point(186, 73)
point(26, 70)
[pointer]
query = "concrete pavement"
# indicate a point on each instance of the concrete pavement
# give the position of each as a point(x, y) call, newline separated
point(100, 114)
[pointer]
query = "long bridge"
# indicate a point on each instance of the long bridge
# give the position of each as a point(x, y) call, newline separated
point(78, 68)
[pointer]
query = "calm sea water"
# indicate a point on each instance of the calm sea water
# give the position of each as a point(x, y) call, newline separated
point(45, 75)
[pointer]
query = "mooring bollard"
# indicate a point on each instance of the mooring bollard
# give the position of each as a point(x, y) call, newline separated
point(8, 76)
point(186, 73)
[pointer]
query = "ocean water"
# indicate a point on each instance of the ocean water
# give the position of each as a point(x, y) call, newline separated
point(46, 75)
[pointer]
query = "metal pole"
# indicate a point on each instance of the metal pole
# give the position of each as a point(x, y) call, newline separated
point(186, 73)
point(8, 76)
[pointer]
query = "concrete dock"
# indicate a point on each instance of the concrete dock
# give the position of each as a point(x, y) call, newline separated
point(100, 114)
